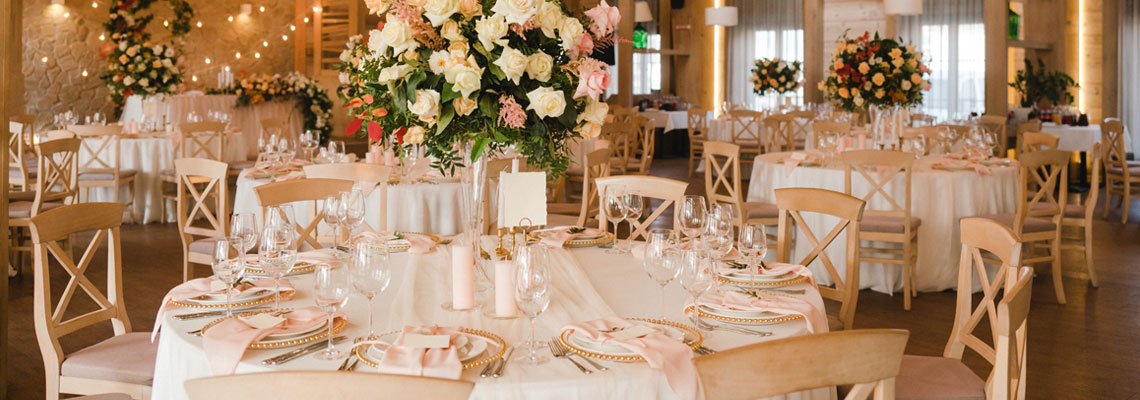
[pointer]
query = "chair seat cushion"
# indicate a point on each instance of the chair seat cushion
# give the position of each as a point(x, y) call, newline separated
point(23, 209)
point(922, 377)
point(203, 246)
point(106, 176)
point(756, 209)
point(21, 195)
point(167, 173)
point(125, 358)
point(564, 208)
point(1032, 224)
point(1074, 211)
point(887, 224)
point(834, 324)
point(1133, 170)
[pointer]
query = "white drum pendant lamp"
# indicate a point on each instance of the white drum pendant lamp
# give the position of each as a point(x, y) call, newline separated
point(902, 7)
point(721, 16)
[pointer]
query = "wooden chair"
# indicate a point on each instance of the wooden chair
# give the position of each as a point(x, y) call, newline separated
point(57, 184)
point(927, 134)
point(698, 130)
point(668, 191)
point(269, 125)
point(646, 139)
point(748, 131)
point(1043, 190)
point(892, 223)
point(596, 165)
point(1033, 125)
point(21, 167)
point(918, 119)
point(1121, 177)
point(795, 201)
point(945, 377)
point(200, 182)
point(368, 177)
point(722, 184)
point(868, 359)
point(1080, 215)
point(205, 140)
point(1037, 141)
point(621, 137)
point(802, 123)
point(996, 123)
point(123, 363)
point(303, 385)
point(779, 133)
point(102, 166)
point(308, 189)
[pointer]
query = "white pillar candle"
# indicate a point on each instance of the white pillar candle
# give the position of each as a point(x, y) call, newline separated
point(462, 277)
point(505, 289)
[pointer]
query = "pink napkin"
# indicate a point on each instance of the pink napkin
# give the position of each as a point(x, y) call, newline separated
point(420, 244)
point(290, 176)
point(225, 343)
point(675, 358)
point(201, 286)
point(978, 167)
point(438, 363)
point(561, 235)
point(773, 269)
point(734, 300)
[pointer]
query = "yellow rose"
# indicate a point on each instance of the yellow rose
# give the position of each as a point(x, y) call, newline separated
point(838, 65)
point(415, 135)
point(844, 93)
point(590, 130)
point(426, 106)
point(595, 112)
point(864, 68)
point(470, 8)
point(450, 31)
point(878, 79)
point(464, 106)
point(879, 93)
point(896, 53)
point(916, 78)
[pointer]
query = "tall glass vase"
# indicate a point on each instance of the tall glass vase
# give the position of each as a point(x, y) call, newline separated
point(474, 215)
point(885, 126)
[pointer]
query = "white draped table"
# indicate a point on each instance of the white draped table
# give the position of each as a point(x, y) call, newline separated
point(245, 119)
point(939, 197)
point(588, 284)
point(1078, 138)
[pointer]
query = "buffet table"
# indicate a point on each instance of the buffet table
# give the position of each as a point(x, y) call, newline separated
point(587, 284)
point(246, 119)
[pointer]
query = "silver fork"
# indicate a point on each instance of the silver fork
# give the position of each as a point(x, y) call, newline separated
point(560, 352)
point(570, 354)
point(344, 366)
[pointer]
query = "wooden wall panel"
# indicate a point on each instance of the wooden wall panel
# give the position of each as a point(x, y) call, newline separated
point(12, 99)
point(815, 55)
point(1110, 33)
point(996, 17)
point(852, 17)
point(693, 74)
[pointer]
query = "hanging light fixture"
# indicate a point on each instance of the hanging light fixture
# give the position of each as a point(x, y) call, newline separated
point(721, 16)
point(902, 7)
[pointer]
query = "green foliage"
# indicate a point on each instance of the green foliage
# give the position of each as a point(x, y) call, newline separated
point(1036, 85)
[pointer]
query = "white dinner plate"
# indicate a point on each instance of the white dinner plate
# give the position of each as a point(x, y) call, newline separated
point(613, 349)
point(280, 337)
point(468, 347)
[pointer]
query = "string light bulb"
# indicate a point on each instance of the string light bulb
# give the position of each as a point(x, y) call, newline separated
point(284, 38)
point(94, 4)
point(256, 55)
point(316, 9)
point(165, 23)
point(84, 73)
point(102, 36)
point(207, 60)
point(294, 27)
point(306, 20)
point(199, 24)
point(192, 77)
point(43, 59)
point(264, 43)
point(67, 15)
point(237, 55)
point(231, 18)
point(262, 9)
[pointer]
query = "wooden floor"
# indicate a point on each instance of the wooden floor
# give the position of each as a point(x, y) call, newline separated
point(1087, 349)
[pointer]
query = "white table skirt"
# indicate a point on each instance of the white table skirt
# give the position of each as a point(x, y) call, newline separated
point(668, 120)
point(1078, 138)
point(245, 119)
point(149, 156)
point(940, 198)
point(588, 284)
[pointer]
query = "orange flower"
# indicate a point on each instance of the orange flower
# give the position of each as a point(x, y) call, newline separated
point(380, 112)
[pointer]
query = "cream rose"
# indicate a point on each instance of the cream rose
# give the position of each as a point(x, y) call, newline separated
point(549, 18)
point(470, 8)
point(438, 11)
point(516, 11)
point(396, 35)
point(464, 106)
point(378, 7)
point(590, 130)
point(546, 102)
point(513, 63)
point(394, 72)
point(450, 31)
point(415, 135)
point(837, 65)
point(905, 85)
point(539, 66)
point(570, 32)
point(426, 106)
point(491, 30)
point(465, 79)
point(595, 112)
point(880, 93)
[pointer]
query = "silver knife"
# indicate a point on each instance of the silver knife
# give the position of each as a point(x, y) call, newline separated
point(507, 356)
point(283, 358)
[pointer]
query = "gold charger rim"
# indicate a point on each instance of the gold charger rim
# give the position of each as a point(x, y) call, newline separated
point(792, 281)
point(606, 238)
point(752, 321)
point(316, 336)
point(249, 303)
point(697, 342)
point(307, 268)
point(477, 332)
point(405, 247)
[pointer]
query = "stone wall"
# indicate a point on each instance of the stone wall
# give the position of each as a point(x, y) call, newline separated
point(68, 36)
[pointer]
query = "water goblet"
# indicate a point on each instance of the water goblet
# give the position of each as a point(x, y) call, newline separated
point(634, 206)
point(332, 217)
point(228, 265)
point(331, 288)
point(692, 216)
point(350, 210)
point(696, 277)
point(371, 272)
point(532, 295)
point(277, 252)
point(657, 261)
point(753, 243)
point(615, 211)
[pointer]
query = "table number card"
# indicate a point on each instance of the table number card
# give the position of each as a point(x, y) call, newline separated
point(522, 195)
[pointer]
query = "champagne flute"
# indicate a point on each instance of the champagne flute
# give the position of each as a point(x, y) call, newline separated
point(332, 218)
point(278, 250)
point(532, 295)
point(657, 263)
point(229, 266)
point(330, 291)
point(615, 212)
point(371, 272)
point(634, 206)
point(696, 277)
point(692, 215)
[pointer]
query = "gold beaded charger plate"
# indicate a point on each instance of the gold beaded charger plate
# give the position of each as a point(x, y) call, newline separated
point(299, 268)
point(402, 245)
point(320, 332)
point(753, 280)
point(212, 302)
point(473, 351)
point(604, 238)
point(613, 352)
point(743, 317)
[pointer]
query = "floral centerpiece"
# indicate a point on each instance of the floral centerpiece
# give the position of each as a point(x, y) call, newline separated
point(135, 65)
point(775, 75)
point(875, 72)
point(485, 74)
point(311, 99)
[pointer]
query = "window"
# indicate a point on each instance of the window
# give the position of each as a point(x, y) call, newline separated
point(647, 68)
point(951, 37)
point(767, 29)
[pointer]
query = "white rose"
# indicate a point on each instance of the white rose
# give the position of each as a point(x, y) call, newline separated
point(546, 102)
point(343, 77)
point(397, 35)
point(470, 8)
point(450, 31)
point(570, 32)
point(377, 7)
point(439, 61)
point(590, 130)
point(858, 101)
point(491, 30)
point(549, 18)
point(438, 11)
point(166, 63)
point(344, 55)
point(394, 72)
point(595, 112)
point(464, 106)
point(376, 43)
point(128, 81)
point(539, 65)
point(465, 80)
point(426, 106)
point(169, 52)
point(144, 82)
point(415, 135)
point(513, 63)
point(905, 85)
point(516, 11)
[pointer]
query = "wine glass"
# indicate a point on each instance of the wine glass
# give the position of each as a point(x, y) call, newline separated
point(330, 291)
point(615, 211)
point(371, 272)
point(277, 252)
point(332, 218)
point(243, 225)
point(634, 206)
point(717, 237)
point(692, 215)
point(696, 277)
point(532, 294)
point(309, 143)
point(753, 243)
point(350, 210)
point(657, 263)
point(228, 265)
point(286, 150)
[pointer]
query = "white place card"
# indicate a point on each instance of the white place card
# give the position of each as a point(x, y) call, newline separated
point(263, 321)
point(422, 341)
point(522, 195)
point(632, 332)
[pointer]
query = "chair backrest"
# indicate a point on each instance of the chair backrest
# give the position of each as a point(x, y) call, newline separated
point(647, 141)
point(17, 151)
point(922, 119)
point(268, 125)
point(1089, 203)
point(1037, 141)
point(877, 169)
point(868, 359)
point(1043, 187)
point(745, 127)
point(802, 123)
point(203, 140)
point(1033, 125)
point(201, 182)
point(722, 174)
point(57, 178)
point(99, 150)
point(357, 172)
point(779, 133)
point(621, 136)
point(698, 122)
point(842, 128)
point(1112, 138)
point(668, 191)
point(596, 165)
point(303, 385)
point(48, 230)
point(308, 189)
point(59, 134)
point(996, 124)
point(792, 202)
point(981, 234)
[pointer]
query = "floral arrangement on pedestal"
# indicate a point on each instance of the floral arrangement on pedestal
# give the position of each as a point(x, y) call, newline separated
point(313, 101)
point(135, 65)
point(485, 74)
point(775, 75)
point(875, 72)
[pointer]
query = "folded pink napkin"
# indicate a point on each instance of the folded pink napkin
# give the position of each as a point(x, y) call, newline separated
point(673, 357)
point(560, 235)
point(225, 343)
point(290, 176)
point(978, 167)
point(735, 300)
point(419, 244)
point(438, 363)
point(202, 286)
point(772, 269)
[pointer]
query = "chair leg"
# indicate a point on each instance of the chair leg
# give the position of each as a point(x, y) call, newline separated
point(1058, 282)
point(691, 155)
point(908, 275)
point(1088, 255)
point(1126, 199)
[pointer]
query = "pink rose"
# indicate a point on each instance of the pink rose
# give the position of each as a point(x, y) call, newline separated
point(604, 18)
point(593, 83)
point(585, 47)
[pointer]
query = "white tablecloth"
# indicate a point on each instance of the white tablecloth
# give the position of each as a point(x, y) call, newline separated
point(149, 156)
point(1078, 138)
point(940, 198)
point(588, 284)
point(245, 119)
point(668, 120)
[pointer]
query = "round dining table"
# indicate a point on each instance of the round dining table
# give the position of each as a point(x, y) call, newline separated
point(938, 197)
point(587, 284)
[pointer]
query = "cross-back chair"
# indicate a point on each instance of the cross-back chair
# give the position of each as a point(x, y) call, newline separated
point(123, 363)
point(927, 134)
point(793, 202)
point(621, 137)
point(722, 184)
point(943, 377)
point(299, 385)
point(642, 159)
point(368, 177)
point(841, 128)
point(868, 359)
point(270, 126)
point(309, 189)
point(206, 140)
point(1037, 141)
point(1080, 214)
point(1121, 177)
point(698, 131)
point(919, 119)
point(100, 162)
point(21, 156)
point(596, 165)
point(668, 192)
point(779, 133)
point(802, 122)
point(747, 128)
point(203, 217)
point(996, 124)
point(1033, 125)
point(57, 184)
point(875, 171)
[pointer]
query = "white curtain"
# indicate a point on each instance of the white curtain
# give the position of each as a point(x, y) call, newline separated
point(767, 29)
point(951, 35)
point(1130, 68)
